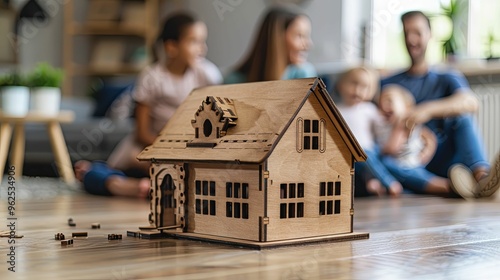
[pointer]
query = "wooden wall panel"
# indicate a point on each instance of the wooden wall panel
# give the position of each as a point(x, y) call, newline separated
point(287, 165)
point(219, 224)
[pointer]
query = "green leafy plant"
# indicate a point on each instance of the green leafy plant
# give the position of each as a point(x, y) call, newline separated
point(11, 80)
point(451, 11)
point(44, 75)
point(491, 40)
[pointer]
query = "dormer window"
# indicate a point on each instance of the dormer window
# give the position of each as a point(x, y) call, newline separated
point(212, 120)
point(207, 128)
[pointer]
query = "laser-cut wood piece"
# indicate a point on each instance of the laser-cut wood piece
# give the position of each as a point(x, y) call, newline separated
point(10, 234)
point(260, 163)
point(114, 236)
point(59, 236)
point(66, 242)
point(96, 226)
point(80, 234)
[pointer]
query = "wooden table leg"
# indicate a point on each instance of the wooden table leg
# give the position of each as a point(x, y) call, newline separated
point(5, 134)
point(60, 149)
point(18, 144)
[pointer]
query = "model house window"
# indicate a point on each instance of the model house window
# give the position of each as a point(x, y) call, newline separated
point(311, 135)
point(237, 194)
point(205, 197)
point(292, 204)
point(329, 193)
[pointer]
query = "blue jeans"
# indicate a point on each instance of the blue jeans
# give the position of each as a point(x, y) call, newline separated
point(414, 179)
point(373, 168)
point(458, 142)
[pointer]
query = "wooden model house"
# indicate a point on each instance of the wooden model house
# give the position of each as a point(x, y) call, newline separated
point(257, 164)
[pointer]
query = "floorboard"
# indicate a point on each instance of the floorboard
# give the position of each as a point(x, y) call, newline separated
point(414, 237)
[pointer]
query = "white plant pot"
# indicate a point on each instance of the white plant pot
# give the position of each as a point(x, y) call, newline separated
point(45, 100)
point(15, 100)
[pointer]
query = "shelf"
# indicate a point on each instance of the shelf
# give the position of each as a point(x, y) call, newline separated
point(101, 39)
point(108, 28)
point(124, 69)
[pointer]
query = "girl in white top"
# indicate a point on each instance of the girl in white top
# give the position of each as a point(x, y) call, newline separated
point(357, 88)
point(160, 89)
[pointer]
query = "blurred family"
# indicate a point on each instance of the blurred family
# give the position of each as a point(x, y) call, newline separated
point(443, 103)
point(416, 126)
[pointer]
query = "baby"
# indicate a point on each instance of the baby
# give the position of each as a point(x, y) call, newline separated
point(405, 150)
point(394, 138)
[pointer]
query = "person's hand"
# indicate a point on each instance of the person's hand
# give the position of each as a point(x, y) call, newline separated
point(419, 115)
point(430, 145)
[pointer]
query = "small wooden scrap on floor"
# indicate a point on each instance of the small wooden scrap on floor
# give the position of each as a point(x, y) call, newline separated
point(8, 233)
point(59, 236)
point(66, 242)
point(96, 226)
point(80, 234)
point(71, 223)
point(113, 236)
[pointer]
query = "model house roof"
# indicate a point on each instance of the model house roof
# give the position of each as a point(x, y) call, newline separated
point(247, 120)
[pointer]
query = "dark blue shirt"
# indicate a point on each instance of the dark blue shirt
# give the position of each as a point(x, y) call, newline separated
point(431, 86)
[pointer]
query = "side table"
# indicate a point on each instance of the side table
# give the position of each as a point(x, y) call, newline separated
point(56, 136)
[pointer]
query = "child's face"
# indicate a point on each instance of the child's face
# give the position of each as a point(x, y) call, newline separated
point(392, 105)
point(355, 87)
point(192, 46)
point(298, 39)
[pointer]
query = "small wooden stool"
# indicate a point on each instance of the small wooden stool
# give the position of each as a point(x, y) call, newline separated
point(59, 147)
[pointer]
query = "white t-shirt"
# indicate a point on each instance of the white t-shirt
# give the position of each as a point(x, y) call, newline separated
point(361, 119)
point(163, 91)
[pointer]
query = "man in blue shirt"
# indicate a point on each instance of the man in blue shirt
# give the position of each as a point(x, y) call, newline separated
point(444, 103)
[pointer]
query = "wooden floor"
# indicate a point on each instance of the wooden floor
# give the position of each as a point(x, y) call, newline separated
point(410, 238)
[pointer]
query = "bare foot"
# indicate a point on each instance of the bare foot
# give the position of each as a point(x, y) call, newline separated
point(480, 173)
point(439, 186)
point(374, 186)
point(81, 168)
point(395, 189)
point(144, 188)
point(125, 186)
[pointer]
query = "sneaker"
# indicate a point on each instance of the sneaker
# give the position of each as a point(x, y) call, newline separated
point(463, 182)
point(490, 184)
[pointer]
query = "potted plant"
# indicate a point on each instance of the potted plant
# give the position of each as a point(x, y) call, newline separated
point(452, 44)
point(15, 95)
point(45, 83)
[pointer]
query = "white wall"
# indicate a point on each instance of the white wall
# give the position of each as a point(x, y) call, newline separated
point(232, 24)
point(41, 41)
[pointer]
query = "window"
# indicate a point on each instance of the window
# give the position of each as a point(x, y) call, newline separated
point(329, 203)
point(387, 47)
point(477, 31)
point(238, 193)
point(292, 209)
point(311, 135)
point(203, 191)
point(484, 28)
